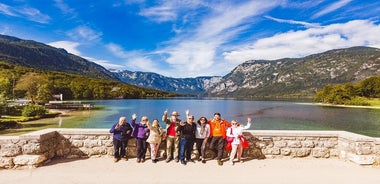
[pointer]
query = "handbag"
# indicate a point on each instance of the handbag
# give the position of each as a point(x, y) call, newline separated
point(244, 142)
point(230, 139)
point(228, 146)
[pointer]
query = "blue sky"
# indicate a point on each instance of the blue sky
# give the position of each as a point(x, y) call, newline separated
point(189, 38)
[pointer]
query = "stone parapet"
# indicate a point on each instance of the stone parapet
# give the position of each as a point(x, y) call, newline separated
point(36, 148)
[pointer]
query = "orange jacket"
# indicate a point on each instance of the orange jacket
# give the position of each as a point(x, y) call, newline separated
point(223, 127)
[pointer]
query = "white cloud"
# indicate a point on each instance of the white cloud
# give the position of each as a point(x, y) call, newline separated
point(71, 47)
point(310, 41)
point(7, 10)
point(105, 63)
point(194, 53)
point(134, 60)
point(306, 24)
point(29, 13)
point(170, 10)
point(331, 8)
point(84, 33)
point(64, 7)
point(160, 14)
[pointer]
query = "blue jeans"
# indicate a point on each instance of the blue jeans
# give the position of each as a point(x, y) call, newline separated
point(185, 149)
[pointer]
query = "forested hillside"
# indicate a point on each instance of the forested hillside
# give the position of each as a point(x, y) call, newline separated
point(39, 86)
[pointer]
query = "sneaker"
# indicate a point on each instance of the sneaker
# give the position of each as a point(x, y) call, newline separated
point(115, 160)
point(177, 160)
point(183, 162)
point(220, 162)
point(138, 160)
point(142, 160)
point(231, 162)
point(191, 160)
point(124, 158)
point(203, 161)
point(154, 161)
point(168, 160)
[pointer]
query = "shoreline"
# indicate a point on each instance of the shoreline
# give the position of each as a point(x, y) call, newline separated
point(42, 123)
point(342, 106)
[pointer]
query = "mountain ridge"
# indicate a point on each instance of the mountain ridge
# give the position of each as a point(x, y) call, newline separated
point(37, 55)
point(298, 76)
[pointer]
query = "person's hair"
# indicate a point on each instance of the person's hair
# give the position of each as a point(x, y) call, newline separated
point(158, 124)
point(217, 113)
point(121, 119)
point(199, 120)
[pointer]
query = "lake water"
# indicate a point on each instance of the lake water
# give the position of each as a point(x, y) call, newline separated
point(266, 115)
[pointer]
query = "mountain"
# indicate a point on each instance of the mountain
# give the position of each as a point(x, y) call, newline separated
point(301, 77)
point(193, 86)
point(37, 55)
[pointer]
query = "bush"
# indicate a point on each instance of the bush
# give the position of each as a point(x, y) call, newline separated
point(33, 110)
point(359, 101)
point(13, 110)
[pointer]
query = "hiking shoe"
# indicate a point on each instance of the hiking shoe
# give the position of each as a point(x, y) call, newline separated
point(220, 162)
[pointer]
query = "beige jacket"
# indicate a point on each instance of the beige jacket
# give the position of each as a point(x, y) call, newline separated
point(155, 134)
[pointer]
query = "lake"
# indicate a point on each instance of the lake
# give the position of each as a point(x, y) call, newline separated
point(266, 115)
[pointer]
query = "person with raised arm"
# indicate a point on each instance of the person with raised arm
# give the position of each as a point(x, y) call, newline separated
point(154, 139)
point(141, 133)
point(236, 132)
point(121, 133)
point(172, 137)
point(218, 128)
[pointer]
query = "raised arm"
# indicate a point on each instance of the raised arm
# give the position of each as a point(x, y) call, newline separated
point(133, 121)
point(249, 120)
point(165, 117)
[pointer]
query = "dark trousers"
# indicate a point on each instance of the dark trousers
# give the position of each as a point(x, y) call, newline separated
point(141, 148)
point(185, 149)
point(217, 146)
point(201, 147)
point(119, 147)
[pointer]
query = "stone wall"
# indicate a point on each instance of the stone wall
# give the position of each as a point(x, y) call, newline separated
point(34, 149)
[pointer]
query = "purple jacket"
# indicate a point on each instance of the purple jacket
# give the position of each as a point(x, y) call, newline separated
point(139, 130)
point(123, 132)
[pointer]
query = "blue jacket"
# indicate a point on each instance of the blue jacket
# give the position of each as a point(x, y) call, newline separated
point(139, 130)
point(122, 133)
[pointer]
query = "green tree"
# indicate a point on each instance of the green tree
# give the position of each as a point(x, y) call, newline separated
point(37, 87)
point(5, 89)
point(370, 87)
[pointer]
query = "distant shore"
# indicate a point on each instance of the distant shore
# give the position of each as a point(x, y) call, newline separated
point(343, 106)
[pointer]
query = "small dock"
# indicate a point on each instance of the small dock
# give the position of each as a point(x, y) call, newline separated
point(78, 105)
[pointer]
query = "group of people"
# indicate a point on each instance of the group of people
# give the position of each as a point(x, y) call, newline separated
point(180, 137)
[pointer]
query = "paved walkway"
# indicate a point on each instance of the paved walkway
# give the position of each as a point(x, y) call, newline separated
point(279, 171)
